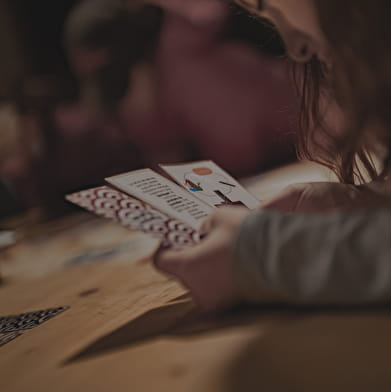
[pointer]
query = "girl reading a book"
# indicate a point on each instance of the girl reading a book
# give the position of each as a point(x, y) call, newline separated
point(326, 243)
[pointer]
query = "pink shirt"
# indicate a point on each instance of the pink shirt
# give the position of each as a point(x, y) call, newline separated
point(235, 104)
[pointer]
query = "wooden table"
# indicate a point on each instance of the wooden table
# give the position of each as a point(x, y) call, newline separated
point(129, 328)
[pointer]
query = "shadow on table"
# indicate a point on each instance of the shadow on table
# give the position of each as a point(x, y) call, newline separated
point(181, 318)
point(176, 318)
point(322, 353)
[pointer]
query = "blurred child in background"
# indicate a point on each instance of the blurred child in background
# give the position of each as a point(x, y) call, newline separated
point(161, 81)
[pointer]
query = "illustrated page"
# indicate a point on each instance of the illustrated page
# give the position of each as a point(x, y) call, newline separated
point(211, 184)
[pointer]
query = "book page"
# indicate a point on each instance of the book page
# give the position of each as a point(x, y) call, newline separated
point(136, 215)
point(164, 195)
point(211, 184)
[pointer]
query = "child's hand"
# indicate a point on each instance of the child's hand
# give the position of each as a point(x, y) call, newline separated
point(207, 269)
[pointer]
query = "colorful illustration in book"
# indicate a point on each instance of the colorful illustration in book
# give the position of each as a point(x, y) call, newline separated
point(211, 184)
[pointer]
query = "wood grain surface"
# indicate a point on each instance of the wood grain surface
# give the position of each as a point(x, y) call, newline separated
point(130, 328)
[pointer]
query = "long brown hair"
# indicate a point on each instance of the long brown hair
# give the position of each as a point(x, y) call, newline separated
point(359, 34)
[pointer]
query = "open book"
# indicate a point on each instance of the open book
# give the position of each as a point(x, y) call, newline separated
point(175, 212)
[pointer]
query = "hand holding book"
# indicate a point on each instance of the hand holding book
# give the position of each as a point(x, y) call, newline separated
point(158, 206)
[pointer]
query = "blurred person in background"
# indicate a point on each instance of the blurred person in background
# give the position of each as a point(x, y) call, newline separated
point(77, 129)
point(199, 85)
point(228, 93)
point(157, 81)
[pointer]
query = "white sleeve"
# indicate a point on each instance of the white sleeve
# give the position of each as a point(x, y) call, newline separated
point(340, 258)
